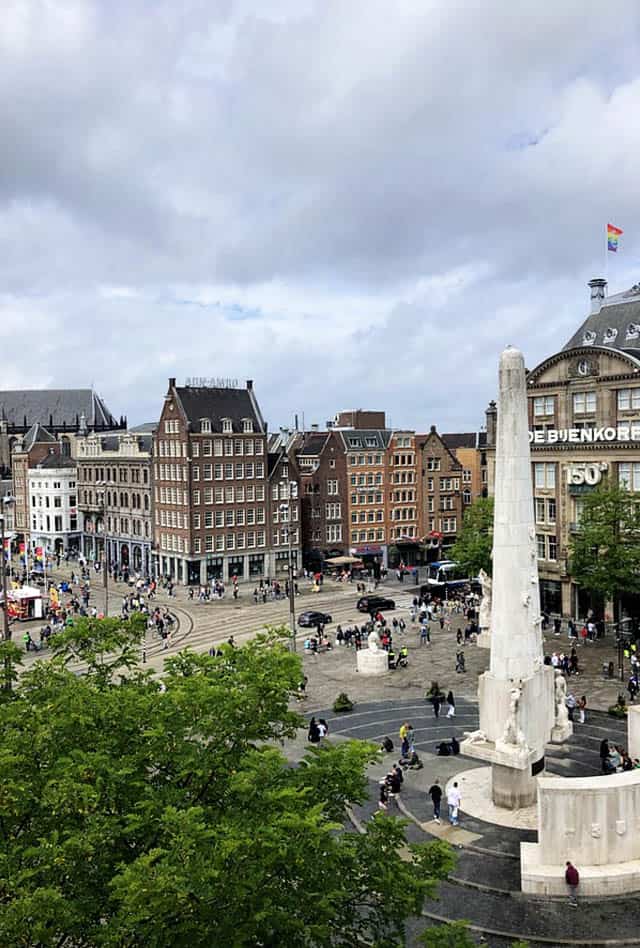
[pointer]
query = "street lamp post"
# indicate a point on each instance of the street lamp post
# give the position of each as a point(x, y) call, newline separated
point(6, 631)
point(287, 508)
point(105, 563)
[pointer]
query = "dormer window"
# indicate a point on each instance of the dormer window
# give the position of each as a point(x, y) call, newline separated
point(205, 426)
point(227, 426)
point(247, 425)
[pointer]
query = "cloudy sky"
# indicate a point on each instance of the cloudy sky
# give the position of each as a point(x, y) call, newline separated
point(353, 202)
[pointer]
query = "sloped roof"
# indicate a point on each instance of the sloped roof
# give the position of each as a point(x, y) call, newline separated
point(615, 325)
point(55, 407)
point(313, 443)
point(56, 461)
point(467, 439)
point(218, 403)
point(37, 434)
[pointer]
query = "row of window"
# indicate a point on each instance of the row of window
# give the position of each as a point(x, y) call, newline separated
point(363, 536)
point(120, 527)
point(172, 518)
point(365, 498)
point(227, 425)
point(585, 403)
point(445, 524)
point(115, 475)
point(228, 472)
point(171, 495)
point(235, 517)
point(228, 448)
point(57, 501)
point(367, 516)
point(446, 483)
point(333, 534)
point(404, 460)
point(407, 531)
point(281, 537)
point(43, 523)
point(228, 495)
point(355, 459)
point(545, 510)
point(403, 513)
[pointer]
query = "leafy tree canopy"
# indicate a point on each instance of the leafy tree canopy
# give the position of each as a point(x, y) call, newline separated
point(142, 812)
point(472, 549)
point(604, 552)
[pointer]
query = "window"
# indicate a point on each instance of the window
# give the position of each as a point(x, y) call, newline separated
point(207, 472)
point(584, 403)
point(332, 487)
point(628, 398)
point(629, 476)
point(539, 510)
point(208, 544)
point(433, 464)
point(334, 533)
point(206, 448)
point(217, 471)
point(228, 472)
point(217, 447)
point(196, 545)
point(541, 546)
point(466, 496)
point(544, 475)
point(552, 548)
point(551, 512)
point(333, 511)
point(247, 425)
point(466, 477)
point(449, 524)
point(57, 501)
point(205, 425)
point(332, 463)
point(239, 472)
point(227, 425)
point(430, 483)
point(208, 519)
point(195, 449)
point(196, 521)
point(543, 405)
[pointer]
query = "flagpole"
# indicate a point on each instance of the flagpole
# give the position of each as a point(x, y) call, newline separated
point(606, 253)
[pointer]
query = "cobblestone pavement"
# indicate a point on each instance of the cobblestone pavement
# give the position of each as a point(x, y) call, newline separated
point(203, 625)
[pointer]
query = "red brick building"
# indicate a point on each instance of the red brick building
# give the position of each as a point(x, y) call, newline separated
point(212, 505)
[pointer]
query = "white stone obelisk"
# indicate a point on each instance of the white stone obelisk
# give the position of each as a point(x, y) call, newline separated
point(516, 695)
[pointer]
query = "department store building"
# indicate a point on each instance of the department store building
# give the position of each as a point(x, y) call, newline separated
point(584, 420)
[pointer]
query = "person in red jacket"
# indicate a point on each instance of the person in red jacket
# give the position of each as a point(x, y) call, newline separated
point(572, 878)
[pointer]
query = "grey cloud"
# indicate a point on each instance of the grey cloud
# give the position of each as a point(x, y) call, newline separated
point(358, 148)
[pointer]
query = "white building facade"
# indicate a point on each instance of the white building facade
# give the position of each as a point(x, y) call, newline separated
point(53, 505)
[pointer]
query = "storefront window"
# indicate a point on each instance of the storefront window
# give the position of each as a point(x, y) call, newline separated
point(551, 596)
point(236, 566)
point(214, 567)
point(256, 565)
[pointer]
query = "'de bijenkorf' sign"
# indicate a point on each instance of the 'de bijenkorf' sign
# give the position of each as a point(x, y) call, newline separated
point(585, 435)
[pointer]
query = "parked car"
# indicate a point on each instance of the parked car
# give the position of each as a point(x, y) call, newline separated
point(311, 619)
point(375, 604)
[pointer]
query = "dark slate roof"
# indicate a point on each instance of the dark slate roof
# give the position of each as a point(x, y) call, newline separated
point(615, 325)
point(313, 443)
point(466, 440)
point(148, 427)
point(37, 435)
point(218, 403)
point(61, 405)
point(350, 436)
point(55, 461)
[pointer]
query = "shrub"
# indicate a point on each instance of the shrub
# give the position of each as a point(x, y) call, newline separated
point(342, 703)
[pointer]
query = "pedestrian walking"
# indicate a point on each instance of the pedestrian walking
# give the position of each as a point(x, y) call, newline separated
point(313, 735)
point(454, 800)
point(435, 792)
point(451, 705)
point(436, 706)
point(572, 878)
point(582, 709)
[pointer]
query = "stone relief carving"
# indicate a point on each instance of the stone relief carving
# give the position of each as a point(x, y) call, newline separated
point(485, 603)
point(562, 714)
point(475, 737)
point(512, 732)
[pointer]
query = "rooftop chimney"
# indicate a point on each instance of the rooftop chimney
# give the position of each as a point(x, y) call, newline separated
point(598, 288)
point(249, 384)
point(314, 426)
point(172, 383)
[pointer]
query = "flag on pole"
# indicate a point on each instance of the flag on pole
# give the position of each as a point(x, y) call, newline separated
point(39, 556)
point(613, 233)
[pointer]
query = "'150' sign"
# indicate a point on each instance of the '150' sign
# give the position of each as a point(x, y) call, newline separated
point(586, 473)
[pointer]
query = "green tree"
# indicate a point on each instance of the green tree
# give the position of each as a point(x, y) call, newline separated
point(142, 812)
point(472, 549)
point(604, 552)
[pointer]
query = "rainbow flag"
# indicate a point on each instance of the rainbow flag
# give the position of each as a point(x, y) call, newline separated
point(613, 233)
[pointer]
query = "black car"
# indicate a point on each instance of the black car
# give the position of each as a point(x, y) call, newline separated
point(311, 619)
point(375, 604)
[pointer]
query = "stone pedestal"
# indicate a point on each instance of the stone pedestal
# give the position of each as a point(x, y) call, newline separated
point(483, 640)
point(633, 731)
point(513, 789)
point(561, 733)
point(372, 661)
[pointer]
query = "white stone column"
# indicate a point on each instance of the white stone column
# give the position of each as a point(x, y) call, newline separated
point(516, 695)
